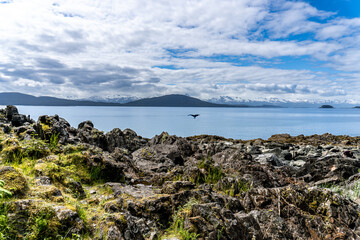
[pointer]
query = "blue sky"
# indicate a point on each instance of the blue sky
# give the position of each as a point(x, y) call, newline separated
point(343, 8)
point(246, 49)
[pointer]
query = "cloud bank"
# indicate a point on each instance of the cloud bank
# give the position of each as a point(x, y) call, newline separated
point(204, 48)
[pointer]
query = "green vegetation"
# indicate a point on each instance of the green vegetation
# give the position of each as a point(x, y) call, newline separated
point(212, 173)
point(73, 236)
point(220, 233)
point(22, 162)
point(96, 174)
point(38, 222)
point(177, 228)
point(54, 141)
point(4, 192)
point(11, 152)
point(4, 226)
point(82, 213)
point(351, 192)
point(15, 152)
point(237, 187)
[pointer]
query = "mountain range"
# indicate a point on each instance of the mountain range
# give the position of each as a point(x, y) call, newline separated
point(174, 100)
point(14, 98)
point(263, 102)
point(291, 103)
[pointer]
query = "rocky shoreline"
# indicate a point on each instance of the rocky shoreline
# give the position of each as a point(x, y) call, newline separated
point(81, 183)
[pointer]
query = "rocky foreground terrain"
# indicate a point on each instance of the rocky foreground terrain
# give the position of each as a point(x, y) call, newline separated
point(61, 182)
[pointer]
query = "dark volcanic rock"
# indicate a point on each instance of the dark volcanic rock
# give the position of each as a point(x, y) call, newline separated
point(15, 118)
point(10, 111)
point(49, 127)
point(127, 139)
point(302, 213)
point(327, 167)
point(118, 185)
point(90, 135)
point(164, 153)
point(115, 139)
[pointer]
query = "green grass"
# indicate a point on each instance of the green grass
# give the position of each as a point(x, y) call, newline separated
point(54, 141)
point(39, 221)
point(4, 221)
point(213, 173)
point(42, 224)
point(96, 174)
point(34, 148)
point(4, 192)
point(237, 188)
point(177, 228)
point(219, 235)
point(73, 236)
point(82, 213)
point(352, 192)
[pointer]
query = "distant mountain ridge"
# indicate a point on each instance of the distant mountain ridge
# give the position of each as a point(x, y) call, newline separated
point(113, 99)
point(14, 98)
point(173, 100)
point(176, 100)
point(292, 103)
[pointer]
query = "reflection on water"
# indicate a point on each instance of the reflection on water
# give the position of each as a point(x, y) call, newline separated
point(237, 123)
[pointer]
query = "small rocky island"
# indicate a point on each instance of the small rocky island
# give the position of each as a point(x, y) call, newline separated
point(61, 182)
point(326, 106)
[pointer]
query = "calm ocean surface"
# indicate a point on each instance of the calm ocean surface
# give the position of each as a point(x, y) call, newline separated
point(237, 123)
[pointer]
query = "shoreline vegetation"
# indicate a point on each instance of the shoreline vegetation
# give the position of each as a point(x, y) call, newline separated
point(62, 182)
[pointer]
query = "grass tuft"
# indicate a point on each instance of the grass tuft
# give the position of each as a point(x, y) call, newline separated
point(177, 228)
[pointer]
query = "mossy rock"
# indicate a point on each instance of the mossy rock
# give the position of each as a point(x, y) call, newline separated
point(35, 149)
point(75, 188)
point(15, 181)
point(11, 150)
point(48, 192)
point(51, 170)
point(36, 219)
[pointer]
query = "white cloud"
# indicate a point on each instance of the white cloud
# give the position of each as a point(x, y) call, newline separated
point(291, 18)
point(87, 48)
point(339, 28)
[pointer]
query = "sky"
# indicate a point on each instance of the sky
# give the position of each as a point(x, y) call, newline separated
point(246, 49)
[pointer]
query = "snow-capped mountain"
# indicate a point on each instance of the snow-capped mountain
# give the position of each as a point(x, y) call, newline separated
point(279, 102)
point(115, 99)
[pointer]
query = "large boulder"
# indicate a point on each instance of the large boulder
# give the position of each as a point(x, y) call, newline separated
point(15, 118)
point(115, 139)
point(89, 134)
point(127, 139)
point(159, 158)
point(327, 167)
point(57, 128)
point(241, 163)
point(10, 111)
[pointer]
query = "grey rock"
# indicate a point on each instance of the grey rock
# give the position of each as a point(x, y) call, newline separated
point(10, 111)
point(113, 233)
point(269, 159)
point(171, 187)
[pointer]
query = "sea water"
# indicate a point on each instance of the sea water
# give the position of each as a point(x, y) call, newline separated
point(236, 123)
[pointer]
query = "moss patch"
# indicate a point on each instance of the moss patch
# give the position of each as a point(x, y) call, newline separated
point(15, 182)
